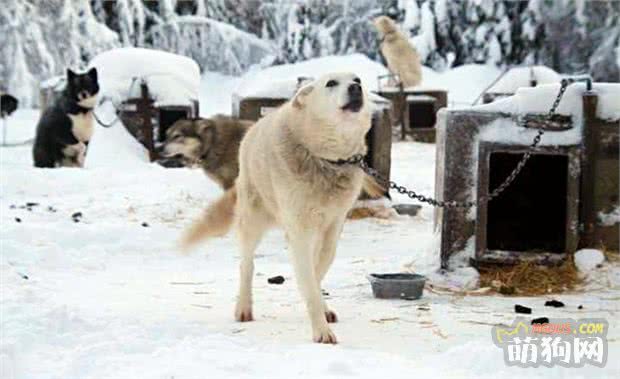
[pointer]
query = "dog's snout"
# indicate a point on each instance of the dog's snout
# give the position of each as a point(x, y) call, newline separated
point(355, 90)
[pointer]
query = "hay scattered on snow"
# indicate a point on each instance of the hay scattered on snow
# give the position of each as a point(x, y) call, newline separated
point(530, 279)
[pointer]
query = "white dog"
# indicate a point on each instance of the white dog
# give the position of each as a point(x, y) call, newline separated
point(401, 56)
point(288, 177)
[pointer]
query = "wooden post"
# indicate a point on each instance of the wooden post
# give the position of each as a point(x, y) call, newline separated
point(403, 100)
point(144, 108)
point(588, 174)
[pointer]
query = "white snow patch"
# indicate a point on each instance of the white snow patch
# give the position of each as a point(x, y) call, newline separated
point(610, 218)
point(588, 259)
point(522, 76)
point(172, 79)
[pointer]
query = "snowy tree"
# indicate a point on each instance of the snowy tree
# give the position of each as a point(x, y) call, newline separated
point(42, 38)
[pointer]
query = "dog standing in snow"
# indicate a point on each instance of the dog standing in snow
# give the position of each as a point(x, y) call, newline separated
point(65, 128)
point(288, 177)
point(401, 56)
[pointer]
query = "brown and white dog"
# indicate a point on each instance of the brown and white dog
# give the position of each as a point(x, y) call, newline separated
point(213, 143)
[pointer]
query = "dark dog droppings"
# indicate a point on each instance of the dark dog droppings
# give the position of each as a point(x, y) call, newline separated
point(540, 320)
point(580, 307)
point(276, 280)
point(77, 216)
point(17, 219)
point(145, 224)
point(554, 303)
point(522, 309)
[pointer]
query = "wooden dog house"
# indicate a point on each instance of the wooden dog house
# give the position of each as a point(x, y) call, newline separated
point(566, 196)
point(148, 122)
point(253, 105)
point(414, 109)
point(151, 90)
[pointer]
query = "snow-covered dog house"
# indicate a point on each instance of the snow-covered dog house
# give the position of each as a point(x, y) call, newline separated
point(414, 109)
point(254, 103)
point(566, 196)
point(519, 77)
point(151, 89)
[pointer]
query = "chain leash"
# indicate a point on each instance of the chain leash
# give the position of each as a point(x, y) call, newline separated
point(358, 160)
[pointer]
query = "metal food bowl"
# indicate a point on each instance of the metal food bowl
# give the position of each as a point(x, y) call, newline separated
point(397, 286)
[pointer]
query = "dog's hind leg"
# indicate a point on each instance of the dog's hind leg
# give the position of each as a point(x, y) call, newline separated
point(251, 227)
point(303, 241)
point(324, 257)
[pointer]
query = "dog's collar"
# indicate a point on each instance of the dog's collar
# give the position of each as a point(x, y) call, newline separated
point(385, 36)
point(355, 159)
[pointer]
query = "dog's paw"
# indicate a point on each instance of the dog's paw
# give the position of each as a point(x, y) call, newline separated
point(325, 336)
point(331, 317)
point(243, 314)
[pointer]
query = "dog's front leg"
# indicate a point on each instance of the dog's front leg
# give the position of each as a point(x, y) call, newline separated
point(326, 251)
point(303, 243)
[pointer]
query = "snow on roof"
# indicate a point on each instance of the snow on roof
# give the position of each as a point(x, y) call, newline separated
point(261, 83)
point(172, 79)
point(281, 81)
point(519, 77)
point(533, 100)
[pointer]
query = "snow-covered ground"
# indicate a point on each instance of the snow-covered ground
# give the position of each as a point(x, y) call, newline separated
point(110, 297)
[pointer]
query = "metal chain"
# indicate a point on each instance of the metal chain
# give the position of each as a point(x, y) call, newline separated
point(358, 160)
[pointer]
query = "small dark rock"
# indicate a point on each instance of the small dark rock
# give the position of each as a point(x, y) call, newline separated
point(76, 215)
point(276, 280)
point(554, 303)
point(17, 219)
point(580, 307)
point(146, 225)
point(522, 309)
point(540, 320)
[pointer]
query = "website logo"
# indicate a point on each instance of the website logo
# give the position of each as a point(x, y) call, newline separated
point(562, 342)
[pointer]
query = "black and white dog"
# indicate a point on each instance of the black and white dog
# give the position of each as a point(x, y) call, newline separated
point(65, 128)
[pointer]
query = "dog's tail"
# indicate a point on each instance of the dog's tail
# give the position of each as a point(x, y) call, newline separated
point(372, 188)
point(215, 222)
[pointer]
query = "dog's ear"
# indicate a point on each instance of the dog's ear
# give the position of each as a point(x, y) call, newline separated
point(92, 73)
point(206, 132)
point(300, 97)
point(70, 75)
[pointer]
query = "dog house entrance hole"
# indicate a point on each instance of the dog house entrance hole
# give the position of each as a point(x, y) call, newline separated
point(167, 117)
point(531, 214)
point(421, 111)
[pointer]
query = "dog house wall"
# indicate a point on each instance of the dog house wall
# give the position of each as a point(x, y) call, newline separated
point(592, 188)
point(401, 109)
